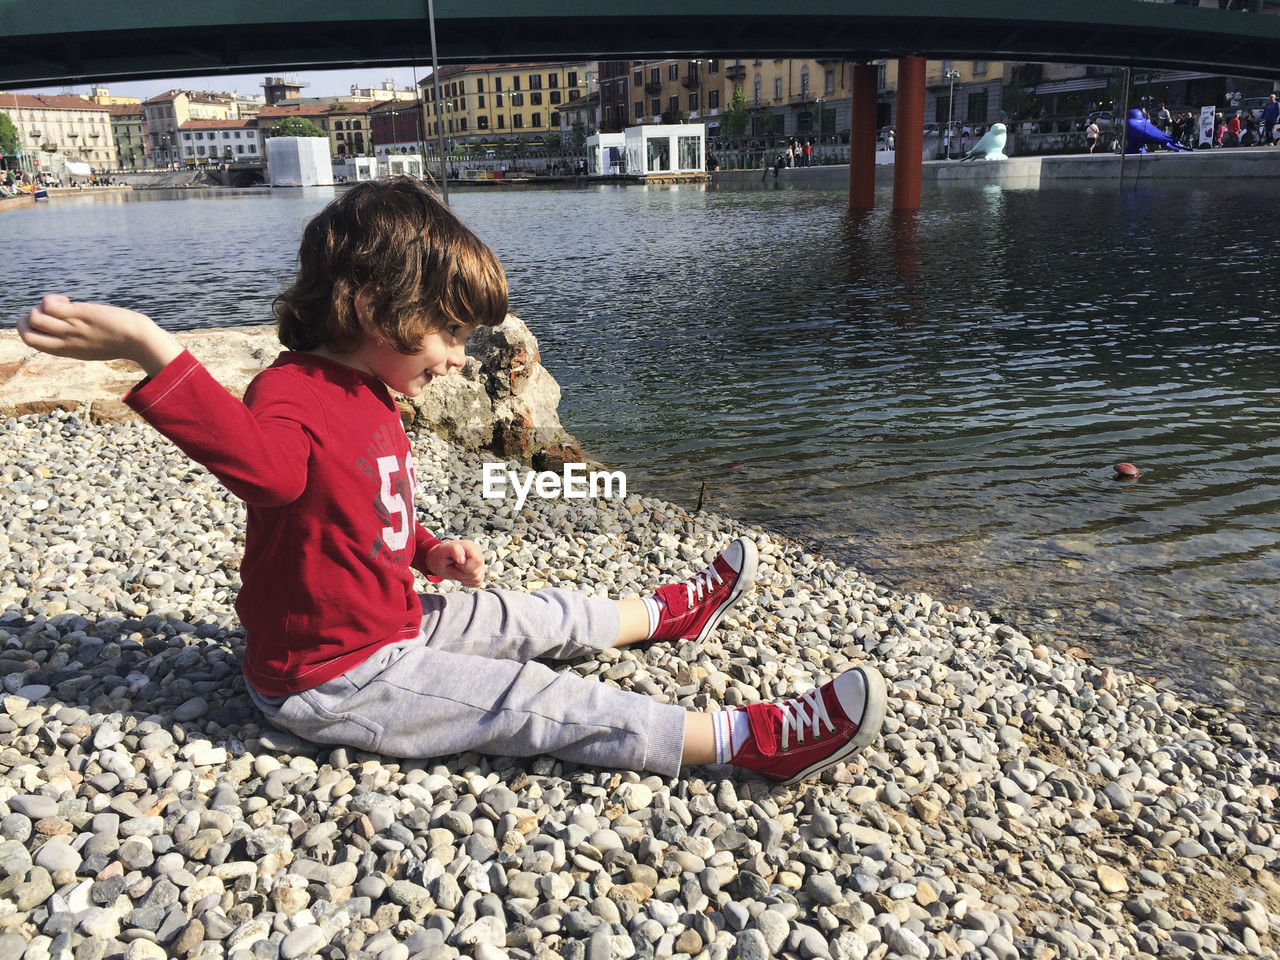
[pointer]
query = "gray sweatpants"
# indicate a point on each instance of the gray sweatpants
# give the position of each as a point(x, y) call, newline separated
point(468, 682)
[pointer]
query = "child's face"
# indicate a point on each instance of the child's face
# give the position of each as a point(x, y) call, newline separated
point(409, 373)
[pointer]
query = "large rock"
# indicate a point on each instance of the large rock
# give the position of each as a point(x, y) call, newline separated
point(503, 400)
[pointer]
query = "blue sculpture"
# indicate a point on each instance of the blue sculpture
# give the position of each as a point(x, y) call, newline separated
point(991, 146)
point(1141, 133)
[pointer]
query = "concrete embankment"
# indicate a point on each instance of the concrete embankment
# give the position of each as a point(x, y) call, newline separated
point(16, 203)
point(1209, 166)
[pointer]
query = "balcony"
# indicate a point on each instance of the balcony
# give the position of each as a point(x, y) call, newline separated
point(653, 87)
point(691, 82)
point(736, 72)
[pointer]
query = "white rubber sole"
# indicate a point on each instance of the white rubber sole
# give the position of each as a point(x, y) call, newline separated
point(875, 703)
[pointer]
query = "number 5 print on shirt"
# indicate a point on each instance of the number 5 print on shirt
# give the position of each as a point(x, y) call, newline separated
point(397, 499)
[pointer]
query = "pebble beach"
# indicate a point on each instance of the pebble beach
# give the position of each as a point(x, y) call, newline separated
point(1021, 802)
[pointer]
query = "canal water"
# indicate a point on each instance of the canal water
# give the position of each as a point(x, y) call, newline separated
point(937, 399)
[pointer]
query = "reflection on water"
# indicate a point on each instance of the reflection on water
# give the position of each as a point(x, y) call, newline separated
point(937, 398)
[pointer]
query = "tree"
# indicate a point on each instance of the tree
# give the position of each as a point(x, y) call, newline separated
point(737, 117)
point(295, 127)
point(8, 136)
point(578, 139)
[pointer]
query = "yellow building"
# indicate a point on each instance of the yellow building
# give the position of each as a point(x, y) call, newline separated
point(504, 102)
point(102, 95)
point(167, 113)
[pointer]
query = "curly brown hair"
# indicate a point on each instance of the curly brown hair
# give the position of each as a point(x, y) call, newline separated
point(421, 268)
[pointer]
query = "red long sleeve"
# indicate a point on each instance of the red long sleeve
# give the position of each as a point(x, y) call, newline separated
point(317, 453)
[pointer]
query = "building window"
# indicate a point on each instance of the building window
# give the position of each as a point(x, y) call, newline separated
point(482, 122)
point(673, 71)
point(536, 121)
point(759, 88)
point(239, 148)
point(502, 121)
point(480, 105)
point(977, 107)
point(518, 121)
point(497, 100)
point(517, 99)
point(574, 95)
point(655, 76)
point(657, 106)
point(639, 109)
point(777, 88)
point(639, 79)
point(713, 99)
point(804, 81)
point(479, 84)
point(355, 124)
point(573, 79)
point(535, 98)
point(462, 124)
point(713, 66)
point(553, 81)
point(693, 103)
point(497, 84)
point(673, 104)
point(535, 81)
point(829, 83)
point(515, 83)
point(200, 150)
point(555, 96)
point(979, 68)
point(555, 120)
point(186, 136)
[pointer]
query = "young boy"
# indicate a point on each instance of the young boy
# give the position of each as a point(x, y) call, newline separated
point(341, 649)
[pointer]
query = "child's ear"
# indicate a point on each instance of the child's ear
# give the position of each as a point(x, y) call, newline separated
point(363, 301)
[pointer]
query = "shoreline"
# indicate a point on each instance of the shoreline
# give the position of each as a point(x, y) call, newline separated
point(1020, 801)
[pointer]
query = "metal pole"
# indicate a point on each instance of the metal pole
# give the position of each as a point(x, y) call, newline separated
point(1124, 123)
point(435, 81)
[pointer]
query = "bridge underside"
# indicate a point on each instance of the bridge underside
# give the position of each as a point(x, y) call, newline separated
point(59, 41)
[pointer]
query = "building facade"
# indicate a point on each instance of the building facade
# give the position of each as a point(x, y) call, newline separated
point(509, 102)
point(55, 129)
point(396, 127)
point(349, 130)
point(129, 132)
point(167, 113)
point(205, 142)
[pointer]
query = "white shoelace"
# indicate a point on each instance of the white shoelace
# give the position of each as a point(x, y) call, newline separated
point(793, 716)
point(702, 583)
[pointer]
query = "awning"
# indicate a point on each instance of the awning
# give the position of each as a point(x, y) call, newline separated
point(78, 169)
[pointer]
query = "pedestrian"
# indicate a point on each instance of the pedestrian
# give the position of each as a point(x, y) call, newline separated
point(1270, 116)
point(1163, 118)
point(1232, 138)
point(340, 648)
point(889, 141)
point(791, 153)
point(808, 153)
point(1091, 135)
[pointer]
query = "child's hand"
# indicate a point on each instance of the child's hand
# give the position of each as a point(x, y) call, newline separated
point(96, 331)
point(460, 560)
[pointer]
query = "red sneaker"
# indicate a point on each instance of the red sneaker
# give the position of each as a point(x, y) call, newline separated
point(690, 609)
point(797, 738)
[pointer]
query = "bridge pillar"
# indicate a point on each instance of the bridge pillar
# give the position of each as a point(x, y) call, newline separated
point(909, 130)
point(862, 138)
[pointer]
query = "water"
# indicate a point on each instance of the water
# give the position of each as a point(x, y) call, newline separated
point(937, 399)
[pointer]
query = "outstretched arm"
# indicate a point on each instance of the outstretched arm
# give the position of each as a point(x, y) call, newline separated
point(97, 331)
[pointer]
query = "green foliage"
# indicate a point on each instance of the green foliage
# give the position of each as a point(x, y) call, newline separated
point(296, 127)
point(8, 136)
point(553, 141)
point(578, 139)
point(738, 117)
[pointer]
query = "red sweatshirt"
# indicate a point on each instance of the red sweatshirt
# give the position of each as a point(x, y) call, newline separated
point(317, 453)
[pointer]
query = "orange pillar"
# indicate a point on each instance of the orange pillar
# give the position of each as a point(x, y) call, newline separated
point(909, 131)
point(862, 138)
